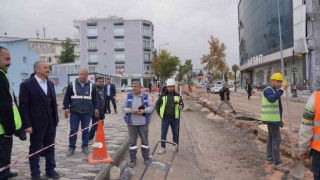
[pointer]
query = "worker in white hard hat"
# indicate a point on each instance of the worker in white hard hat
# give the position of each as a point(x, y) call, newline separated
point(168, 108)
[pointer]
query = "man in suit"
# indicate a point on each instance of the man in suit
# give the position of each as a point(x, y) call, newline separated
point(38, 108)
point(110, 91)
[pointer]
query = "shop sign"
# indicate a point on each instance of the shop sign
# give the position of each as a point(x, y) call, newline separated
point(255, 60)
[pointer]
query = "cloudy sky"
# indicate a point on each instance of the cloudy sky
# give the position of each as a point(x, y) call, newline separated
point(185, 24)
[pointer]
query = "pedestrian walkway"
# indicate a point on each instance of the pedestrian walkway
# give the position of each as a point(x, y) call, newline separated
point(75, 167)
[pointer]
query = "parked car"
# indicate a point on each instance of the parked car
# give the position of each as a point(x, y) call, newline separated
point(218, 85)
point(126, 88)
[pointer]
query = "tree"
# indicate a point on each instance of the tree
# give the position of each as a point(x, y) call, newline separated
point(67, 53)
point(165, 65)
point(225, 73)
point(235, 68)
point(188, 69)
point(215, 59)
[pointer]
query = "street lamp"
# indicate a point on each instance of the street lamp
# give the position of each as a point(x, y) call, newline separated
point(162, 45)
point(294, 74)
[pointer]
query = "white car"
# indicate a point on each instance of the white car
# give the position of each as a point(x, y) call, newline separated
point(126, 88)
point(217, 87)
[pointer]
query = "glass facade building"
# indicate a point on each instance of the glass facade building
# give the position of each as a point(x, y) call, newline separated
point(259, 27)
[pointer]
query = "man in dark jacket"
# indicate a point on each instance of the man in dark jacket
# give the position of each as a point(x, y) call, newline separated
point(80, 101)
point(224, 99)
point(8, 122)
point(38, 108)
point(110, 91)
point(102, 105)
point(168, 107)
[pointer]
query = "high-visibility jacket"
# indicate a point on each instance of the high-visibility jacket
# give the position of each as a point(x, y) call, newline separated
point(17, 118)
point(176, 108)
point(315, 142)
point(270, 112)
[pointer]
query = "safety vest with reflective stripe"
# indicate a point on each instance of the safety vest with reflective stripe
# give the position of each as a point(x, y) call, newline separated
point(315, 142)
point(176, 108)
point(16, 114)
point(75, 95)
point(270, 112)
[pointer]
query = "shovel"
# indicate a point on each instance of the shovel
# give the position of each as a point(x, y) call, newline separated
point(297, 170)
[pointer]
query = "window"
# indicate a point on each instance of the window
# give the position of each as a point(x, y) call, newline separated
point(146, 44)
point(146, 31)
point(119, 43)
point(119, 57)
point(92, 69)
point(49, 60)
point(24, 59)
point(92, 44)
point(120, 70)
point(118, 31)
point(147, 68)
point(146, 56)
point(92, 32)
point(92, 58)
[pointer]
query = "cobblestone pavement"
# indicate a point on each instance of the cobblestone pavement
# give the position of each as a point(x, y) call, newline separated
point(75, 167)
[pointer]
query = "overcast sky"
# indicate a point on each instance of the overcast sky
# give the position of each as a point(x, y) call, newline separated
point(185, 24)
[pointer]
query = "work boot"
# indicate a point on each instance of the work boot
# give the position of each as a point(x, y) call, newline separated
point(53, 175)
point(132, 164)
point(269, 160)
point(282, 168)
point(115, 111)
point(70, 152)
point(85, 150)
point(146, 161)
point(162, 150)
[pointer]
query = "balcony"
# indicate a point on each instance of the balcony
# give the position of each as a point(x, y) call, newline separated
point(146, 61)
point(92, 36)
point(119, 62)
point(92, 49)
point(147, 49)
point(118, 36)
point(119, 49)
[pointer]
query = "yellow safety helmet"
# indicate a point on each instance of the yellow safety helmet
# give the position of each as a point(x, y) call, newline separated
point(277, 76)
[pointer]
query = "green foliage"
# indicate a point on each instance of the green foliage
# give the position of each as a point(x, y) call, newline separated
point(165, 65)
point(67, 54)
point(215, 59)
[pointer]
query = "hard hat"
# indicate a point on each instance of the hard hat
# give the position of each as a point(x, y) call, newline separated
point(277, 76)
point(171, 82)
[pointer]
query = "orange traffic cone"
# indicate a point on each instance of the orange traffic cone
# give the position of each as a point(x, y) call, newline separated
point(99, 154)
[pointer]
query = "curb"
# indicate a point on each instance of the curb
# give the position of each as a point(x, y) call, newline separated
point(117, 157)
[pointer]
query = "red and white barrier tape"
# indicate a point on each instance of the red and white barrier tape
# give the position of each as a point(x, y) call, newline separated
point(30, 155)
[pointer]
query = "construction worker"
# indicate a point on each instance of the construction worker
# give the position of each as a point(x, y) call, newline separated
point(102, 108)
point(168, 107)
point(137, 108)
point(224, 99)
point(309, 135)
point(10, 120)
point(271, 114)
point(80, 101)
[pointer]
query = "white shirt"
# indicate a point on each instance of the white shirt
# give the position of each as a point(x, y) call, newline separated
point(108, 89)
point(42, 84)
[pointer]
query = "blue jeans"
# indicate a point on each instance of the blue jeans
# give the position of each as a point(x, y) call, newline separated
point(173, 123)
point(273, 145)
point(93, 129)
point(75, 120)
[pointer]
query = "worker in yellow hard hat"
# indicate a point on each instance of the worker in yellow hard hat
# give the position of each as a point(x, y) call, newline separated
point(271, 114)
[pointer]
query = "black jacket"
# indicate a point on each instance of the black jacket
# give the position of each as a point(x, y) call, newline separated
point(33, 105)
point(169, 110)
point(112, 89)
point(6, 110)
point(222, 92)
